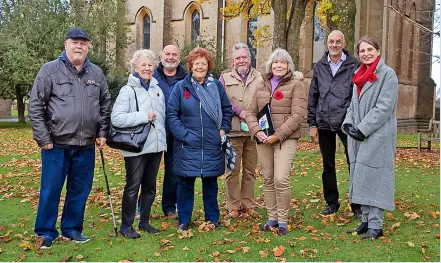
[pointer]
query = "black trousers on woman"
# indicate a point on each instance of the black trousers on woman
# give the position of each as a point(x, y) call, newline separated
point(140, 171)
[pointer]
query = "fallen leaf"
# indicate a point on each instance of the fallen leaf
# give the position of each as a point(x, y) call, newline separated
point(246, 249)
point(79, 257)
point(437, 237)
point(157, 254)
point(264, 253)
point(433, 213)
point(231, 251)
point(278, 251)
point(215, 253)
point(410, 244)
point(389, 215)
point(66, 259)
point(186, 249)
point(396, 225)
point(26, 246)
point(411, 216)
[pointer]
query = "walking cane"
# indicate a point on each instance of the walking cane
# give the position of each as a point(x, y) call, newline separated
point(108, 192)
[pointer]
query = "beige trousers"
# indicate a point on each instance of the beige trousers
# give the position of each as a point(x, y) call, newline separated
point(275, 164)
point(240, 194)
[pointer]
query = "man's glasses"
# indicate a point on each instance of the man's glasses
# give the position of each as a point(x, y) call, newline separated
point(332, 42)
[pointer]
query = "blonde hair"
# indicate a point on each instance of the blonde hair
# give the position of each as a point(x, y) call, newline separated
point(279, 54)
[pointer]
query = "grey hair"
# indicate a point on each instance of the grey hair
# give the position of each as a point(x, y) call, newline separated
point(147, 53)
point(238, 46)
point(279, 54)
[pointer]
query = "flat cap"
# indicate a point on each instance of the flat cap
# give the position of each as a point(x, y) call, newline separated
point(77, 33)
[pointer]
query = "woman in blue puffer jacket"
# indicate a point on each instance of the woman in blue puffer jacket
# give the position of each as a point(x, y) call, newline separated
point(198, 114)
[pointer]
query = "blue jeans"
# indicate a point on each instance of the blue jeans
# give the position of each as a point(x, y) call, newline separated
point(186, 199)
point(170, 184)
point(78, 165)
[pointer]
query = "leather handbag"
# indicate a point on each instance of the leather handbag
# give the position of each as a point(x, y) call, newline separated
point(130, 139)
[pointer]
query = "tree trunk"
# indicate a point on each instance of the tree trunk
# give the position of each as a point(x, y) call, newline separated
point(294, 30)
point(345, 9)
point(279, 36)
point(120, 34)
point(20, 103)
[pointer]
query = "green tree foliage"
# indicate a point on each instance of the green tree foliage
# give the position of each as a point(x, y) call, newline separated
point(31, 33)
point(210, 45)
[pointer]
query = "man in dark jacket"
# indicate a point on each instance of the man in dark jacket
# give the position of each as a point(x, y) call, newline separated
point(69, 110)
point(329, 96)
point(168, 73)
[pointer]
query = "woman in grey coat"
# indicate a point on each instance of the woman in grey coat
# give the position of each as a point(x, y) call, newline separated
point(371, 124)
point(141, 168)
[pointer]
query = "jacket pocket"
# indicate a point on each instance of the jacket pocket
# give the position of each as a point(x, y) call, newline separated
point(64, 88)
point(371, 151)
point(93, 89)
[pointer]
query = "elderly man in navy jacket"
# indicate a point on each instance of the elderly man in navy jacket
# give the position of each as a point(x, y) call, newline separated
point(168, 73)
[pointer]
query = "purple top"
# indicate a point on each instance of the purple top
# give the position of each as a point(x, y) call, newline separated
point(274, 82)
point(236, 109)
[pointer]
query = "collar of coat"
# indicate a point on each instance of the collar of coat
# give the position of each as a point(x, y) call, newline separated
point(180, 72)
point(135, 82)
point(250, 77)
point(297, 75)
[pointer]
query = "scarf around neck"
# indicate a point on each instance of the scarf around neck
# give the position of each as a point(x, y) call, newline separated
point(365, 74)
point(210, 99)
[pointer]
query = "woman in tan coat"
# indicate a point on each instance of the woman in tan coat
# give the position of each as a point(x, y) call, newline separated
point(283, 90)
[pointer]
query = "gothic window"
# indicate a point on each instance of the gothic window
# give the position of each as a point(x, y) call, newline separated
point(195, 26)
point(252, 25)
point(147, 31)
point(319, 38)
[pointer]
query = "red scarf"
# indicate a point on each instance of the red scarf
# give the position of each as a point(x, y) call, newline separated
point(365, 74)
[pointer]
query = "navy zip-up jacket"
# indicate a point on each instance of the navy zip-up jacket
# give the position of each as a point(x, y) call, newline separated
point(197, 143)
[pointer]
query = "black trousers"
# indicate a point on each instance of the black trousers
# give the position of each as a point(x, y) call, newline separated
point(140, 171)
point(327, 142)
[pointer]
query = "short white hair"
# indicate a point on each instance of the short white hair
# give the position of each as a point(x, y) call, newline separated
point(280, 54)
point(238, 46)
point(147, 53)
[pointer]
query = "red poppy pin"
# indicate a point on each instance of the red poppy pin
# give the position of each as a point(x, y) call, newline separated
point(278, 95)
point(372, 78)
point(186, 94)
point(157, 94)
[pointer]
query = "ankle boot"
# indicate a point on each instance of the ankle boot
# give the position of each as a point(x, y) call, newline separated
point(361, 229)
point(373, 234)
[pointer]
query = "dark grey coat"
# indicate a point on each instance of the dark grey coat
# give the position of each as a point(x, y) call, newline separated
point(372, 160)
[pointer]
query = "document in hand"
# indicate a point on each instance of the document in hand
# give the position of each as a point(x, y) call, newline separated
point(265, 120)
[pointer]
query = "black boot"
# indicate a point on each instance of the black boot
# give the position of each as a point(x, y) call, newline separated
point(148, 228)
point(129, 233)
point(373, 234)
point(361, 229)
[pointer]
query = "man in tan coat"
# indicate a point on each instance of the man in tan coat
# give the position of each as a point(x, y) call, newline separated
point(240, 83)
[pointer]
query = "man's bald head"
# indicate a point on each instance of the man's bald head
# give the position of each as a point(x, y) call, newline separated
point(170, 57)
point(336, 43)
point(336, 33)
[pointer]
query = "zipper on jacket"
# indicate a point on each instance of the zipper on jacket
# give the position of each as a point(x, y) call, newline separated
point(156, 131)
point(202, 159)
point(82, 112)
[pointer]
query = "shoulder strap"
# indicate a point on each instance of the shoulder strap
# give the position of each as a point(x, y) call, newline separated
point(136, 98)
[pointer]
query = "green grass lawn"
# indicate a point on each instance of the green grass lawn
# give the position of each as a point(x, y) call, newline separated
point(411, 231)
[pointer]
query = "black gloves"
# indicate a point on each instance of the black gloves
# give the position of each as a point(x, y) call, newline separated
point(353, 132)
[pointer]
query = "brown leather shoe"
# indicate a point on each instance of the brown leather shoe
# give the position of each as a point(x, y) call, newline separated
point(251, 212)
point(171, 215)
point(233, 213)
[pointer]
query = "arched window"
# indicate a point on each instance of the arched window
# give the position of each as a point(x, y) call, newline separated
point(319, 38)
point(252, 25)
point(146, 31)
point(195, 26)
